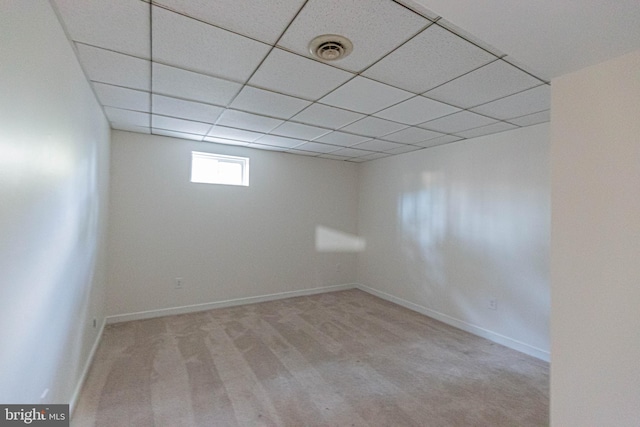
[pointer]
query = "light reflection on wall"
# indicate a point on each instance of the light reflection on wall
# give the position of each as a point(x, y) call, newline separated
point(422, 213)
point(53, 160)
point(54, 163)
point(470, 232)
point(53, 244)
point(331, 240)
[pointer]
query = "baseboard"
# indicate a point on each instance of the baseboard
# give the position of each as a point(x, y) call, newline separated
point(150, 314)
point(460, 324)
point(85, 371)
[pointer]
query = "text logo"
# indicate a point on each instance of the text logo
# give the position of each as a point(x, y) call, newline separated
point(35, 415)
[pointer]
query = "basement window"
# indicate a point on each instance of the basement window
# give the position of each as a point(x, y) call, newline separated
point(208, 168)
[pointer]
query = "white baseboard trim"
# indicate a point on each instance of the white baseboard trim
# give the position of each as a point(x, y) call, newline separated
point(223, 304)
point(85, 371)
point(460, 324)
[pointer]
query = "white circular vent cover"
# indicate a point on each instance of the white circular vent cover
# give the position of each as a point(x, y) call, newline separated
point(330, 47)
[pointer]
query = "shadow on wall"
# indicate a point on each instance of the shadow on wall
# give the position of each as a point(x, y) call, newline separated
point(467, 242)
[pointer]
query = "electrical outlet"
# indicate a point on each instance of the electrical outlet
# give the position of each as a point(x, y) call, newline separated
point(493, 303)
point(178, 283)
point(95, 323)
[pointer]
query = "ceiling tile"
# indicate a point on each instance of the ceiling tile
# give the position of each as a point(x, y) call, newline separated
point(302, 152)
point(372, 156)
point(329, 117)
point(373, 127)
point(120, 97)
point(174, 107)
point(294, 75)
point(297, 130)
point(493, 81)
point(470, 37)
point(430, 59)
point(267, 147)
point(350, 152)
point(342, 139)
point(439, 141)
point(332, 157)
point(127, 117)
point(119, 25)
point(458, 122)
point(175, 134)
point(528, 102)
point(412, 135)
point(420, 8)
point(216, 48)
point(215, 140)
point(232, 133)
point(261, 20)
point(365, 96)
point(523, 66)
point(248, 121)
point(114, 68)
point(375, 27)
point(131, 128)
point(279, 141)
point(416, 110)
point(196, 46)
point(532, 119)
point(179, 125)
point(189, 85)
point(377, 145)
point(317, 147)
point(269, 103)
point(486, 130)
point(404, 149)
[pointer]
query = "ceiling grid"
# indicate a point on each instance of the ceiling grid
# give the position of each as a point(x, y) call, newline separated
point(239, 72)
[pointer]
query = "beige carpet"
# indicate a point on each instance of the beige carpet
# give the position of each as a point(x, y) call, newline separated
point(337, 359)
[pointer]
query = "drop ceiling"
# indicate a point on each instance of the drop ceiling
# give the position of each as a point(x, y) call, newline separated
point(239, 72)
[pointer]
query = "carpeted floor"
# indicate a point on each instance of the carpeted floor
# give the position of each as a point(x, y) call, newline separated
point(336, 359)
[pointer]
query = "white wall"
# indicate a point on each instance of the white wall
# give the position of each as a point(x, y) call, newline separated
point(53, 191)
point(226, 242)
point(595, 246)
point(450, 227)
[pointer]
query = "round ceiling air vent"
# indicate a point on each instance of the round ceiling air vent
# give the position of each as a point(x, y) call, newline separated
point(330, 47)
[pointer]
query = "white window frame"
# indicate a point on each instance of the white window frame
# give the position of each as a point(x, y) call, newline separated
point(214, 160)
